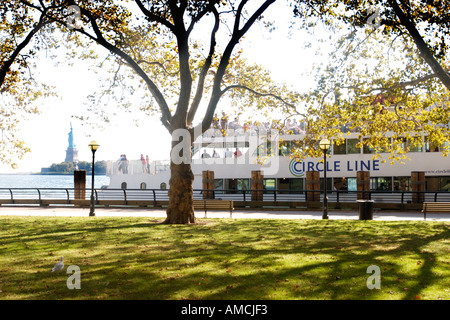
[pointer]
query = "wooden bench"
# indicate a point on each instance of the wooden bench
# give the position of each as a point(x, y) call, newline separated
point(209, 204)
point(437, 207)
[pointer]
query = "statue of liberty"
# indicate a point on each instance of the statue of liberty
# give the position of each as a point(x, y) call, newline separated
point(71, 152)
point(71, 144)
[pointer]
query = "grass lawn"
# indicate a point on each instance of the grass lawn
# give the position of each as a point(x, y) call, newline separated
point(139, 258)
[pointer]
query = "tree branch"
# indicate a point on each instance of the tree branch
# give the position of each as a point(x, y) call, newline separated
point(209, 8)
point(166, 115)
point(238, 16)
point(154, 17)
point(160, 65)
point(399, 85)
point(235, 38)
point(7, 64)
point(204, 71)
point(425, 52)
point(261, 94)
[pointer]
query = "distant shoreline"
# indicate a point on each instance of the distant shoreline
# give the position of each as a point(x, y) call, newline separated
point(64, 173)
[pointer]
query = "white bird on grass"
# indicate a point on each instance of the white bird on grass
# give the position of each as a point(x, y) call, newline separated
point(59, 266)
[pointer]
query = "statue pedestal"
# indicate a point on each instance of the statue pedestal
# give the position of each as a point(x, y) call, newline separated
point(71, 155)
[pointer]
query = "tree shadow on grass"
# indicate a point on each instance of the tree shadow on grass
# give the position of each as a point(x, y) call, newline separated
point(231, 259)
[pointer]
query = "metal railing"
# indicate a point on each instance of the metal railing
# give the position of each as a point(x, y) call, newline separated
point(156, 197)
point(136, 167)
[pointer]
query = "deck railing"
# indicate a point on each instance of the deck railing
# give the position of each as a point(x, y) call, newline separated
point(242, 198)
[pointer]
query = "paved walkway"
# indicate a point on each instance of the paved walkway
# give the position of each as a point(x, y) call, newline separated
point(238, 214)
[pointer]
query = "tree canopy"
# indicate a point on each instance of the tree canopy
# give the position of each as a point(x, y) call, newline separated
point(426, 23)
point(19, 30)
point(387, 76)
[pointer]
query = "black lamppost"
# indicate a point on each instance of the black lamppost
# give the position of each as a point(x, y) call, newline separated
point(93, 145)
point(324, 145)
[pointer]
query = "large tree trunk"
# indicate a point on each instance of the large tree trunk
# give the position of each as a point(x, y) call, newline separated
point(181, 208)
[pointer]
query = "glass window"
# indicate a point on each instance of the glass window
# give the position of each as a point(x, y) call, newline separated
point(410, 144)
point(352, 146)
point(402, 142)
point(218, 184)
point(445, 183)
point(264, 149)
point(283, 184)
point(269, 184)
point(289, 147)
point(242, 184)
point(340, 184)
point(143, 185)
point(351, 184)
point(296, 184)
point(381, 183)
point(284, 148)
point(340, 147)
point(329, 184)
point(430, 147)
point(415, 145)
point(402, 183)
point(369, 149)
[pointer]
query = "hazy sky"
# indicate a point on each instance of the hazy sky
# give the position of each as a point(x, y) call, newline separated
point(47, 133)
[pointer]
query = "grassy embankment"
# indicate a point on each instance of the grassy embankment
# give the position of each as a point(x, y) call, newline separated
point(139, 258)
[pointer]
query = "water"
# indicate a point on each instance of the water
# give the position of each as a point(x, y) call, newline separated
point(47, 181)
